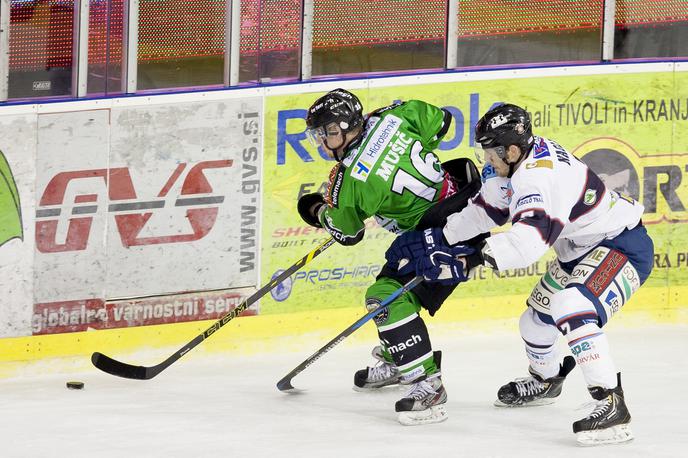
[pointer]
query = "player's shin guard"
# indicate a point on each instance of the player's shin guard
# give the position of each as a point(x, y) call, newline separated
point(577, 318)
point(609, 421)
point(408, 342)
point(590, 347)
point(402, 331)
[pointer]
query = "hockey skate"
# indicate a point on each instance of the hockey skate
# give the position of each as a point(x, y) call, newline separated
point(424, 403)
point(609, 422)
point(533, 390)
point(382, 374)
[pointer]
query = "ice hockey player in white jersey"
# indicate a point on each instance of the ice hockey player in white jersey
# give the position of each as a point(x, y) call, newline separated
point(603, 254)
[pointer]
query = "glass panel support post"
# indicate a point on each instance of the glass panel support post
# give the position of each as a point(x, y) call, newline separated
point(307, 40)
point(4, 48)
point(80, 48)
point(232, 42)
point(130, 44)
point(608, 23)
point(451, 44)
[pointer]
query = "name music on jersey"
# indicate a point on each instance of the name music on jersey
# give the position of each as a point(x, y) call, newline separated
point(398, 148)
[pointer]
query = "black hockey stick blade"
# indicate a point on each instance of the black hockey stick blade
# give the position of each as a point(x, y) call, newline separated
point(285, 383)
point(130, 371)
point(114, 367)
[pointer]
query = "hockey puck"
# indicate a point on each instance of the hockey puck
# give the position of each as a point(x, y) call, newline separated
point(75, 385)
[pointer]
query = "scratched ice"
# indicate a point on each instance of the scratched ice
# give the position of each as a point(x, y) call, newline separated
point(227, 405)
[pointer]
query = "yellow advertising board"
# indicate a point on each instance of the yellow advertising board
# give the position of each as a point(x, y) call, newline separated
point(630, 128)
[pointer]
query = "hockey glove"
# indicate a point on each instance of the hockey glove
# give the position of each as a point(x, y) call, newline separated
point(405, 251)
point(443, 263)
point(308, 207)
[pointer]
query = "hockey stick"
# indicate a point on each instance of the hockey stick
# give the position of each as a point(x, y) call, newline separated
point(285, 383)
point(120, 369)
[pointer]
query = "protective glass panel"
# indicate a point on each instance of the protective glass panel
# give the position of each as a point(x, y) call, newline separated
point(181, 43)
point(651, 29)
point(41, 34)
point(270, 40)
point(511, 32)
point(675, 266)
point(373, 36)
point(105, 46)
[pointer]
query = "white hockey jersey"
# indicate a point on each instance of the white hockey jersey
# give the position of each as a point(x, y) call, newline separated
point(553, 199)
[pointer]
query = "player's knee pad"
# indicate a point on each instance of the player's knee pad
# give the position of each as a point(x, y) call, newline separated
point(536, 333)
point(607, 279)
point(405, 306)
point(540, 339)
point(570, 310)
point(555, 279)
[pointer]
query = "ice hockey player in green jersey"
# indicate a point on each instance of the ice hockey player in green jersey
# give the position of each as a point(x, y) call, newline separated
point(386, 169)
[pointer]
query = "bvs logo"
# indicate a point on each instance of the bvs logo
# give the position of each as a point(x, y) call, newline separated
point(123, 198)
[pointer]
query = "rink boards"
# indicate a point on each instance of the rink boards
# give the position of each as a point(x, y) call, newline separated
point(124, 223)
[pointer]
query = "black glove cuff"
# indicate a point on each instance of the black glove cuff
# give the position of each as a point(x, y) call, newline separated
point(481, 257)
point(308, 207)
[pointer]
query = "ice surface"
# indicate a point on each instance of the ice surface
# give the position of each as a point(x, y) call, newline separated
point(227, 406)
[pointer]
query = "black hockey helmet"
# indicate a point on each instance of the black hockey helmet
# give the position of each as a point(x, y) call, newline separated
point(340, 106)
point(336, 113)
point(503, 126)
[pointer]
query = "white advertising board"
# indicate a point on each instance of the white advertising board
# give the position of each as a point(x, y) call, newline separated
point(138, 201)
point(185, 217)
point(17, 178)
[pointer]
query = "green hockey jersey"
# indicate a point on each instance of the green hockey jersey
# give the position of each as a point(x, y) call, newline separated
point(391, 173)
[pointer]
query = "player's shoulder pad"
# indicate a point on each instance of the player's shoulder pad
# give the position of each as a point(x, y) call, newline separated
point(541, 156)
point(533, 179)
point(381, 110)
point(546, 153)
point(415, 104)
point(534, 174)
point(538, 165)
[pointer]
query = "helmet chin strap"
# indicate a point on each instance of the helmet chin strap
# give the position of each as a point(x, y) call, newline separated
point(334, 150)
point(512, 165)
point(344, 146)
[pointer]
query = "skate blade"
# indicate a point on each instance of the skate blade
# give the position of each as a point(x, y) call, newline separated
point(372, 388)
point(435, 414)
point(537, 402)
point(614, 435)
